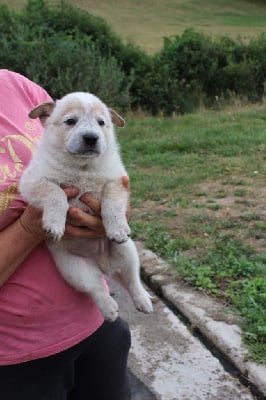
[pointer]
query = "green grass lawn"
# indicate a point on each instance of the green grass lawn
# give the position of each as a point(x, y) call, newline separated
point(147, 22)
point(198, 193)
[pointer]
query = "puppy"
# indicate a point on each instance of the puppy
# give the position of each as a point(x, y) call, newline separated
point(78, 147)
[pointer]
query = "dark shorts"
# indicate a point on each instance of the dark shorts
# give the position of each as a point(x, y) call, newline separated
point(95, 369)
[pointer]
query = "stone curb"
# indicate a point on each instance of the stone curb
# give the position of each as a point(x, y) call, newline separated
point(214, 321)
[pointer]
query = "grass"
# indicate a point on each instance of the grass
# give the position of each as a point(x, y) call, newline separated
point(147, 22)
point(198, 193)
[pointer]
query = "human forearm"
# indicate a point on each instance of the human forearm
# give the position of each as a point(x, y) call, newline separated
point(18, 240)
point(16, 243)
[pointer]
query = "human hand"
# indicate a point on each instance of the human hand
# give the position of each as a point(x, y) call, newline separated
point(84, 225)
point(80, 224)
point(30, 217)
point(31, 222)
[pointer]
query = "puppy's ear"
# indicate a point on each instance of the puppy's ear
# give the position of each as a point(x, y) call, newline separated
point(117, 119)
point(42, 111)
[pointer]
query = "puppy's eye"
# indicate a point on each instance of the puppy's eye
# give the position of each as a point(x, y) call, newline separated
point(101, 122)
point(70, 121)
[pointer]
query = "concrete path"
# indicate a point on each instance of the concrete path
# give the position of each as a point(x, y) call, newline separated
point(168, 362)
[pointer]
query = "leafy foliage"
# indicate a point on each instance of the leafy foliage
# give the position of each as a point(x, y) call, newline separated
point(215, 69)
point(64, 48)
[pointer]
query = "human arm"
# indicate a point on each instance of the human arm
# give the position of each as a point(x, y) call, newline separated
point(18, 240)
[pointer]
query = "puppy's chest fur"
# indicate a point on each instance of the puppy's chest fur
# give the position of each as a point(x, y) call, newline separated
point(87, 181)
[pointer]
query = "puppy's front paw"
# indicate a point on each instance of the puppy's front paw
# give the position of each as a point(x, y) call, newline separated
point(118, 232)
point(54, 226)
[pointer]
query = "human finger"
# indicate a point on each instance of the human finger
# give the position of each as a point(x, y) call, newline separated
point(126, 182)
point(92, 203)
point(83, 232)
point(71, 191)
point(80, 218)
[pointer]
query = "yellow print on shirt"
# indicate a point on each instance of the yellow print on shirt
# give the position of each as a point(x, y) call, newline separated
point(7, 197)
point(11, 165)
point(12, 168)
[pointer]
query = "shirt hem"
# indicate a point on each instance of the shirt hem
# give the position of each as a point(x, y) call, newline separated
point(52, 349)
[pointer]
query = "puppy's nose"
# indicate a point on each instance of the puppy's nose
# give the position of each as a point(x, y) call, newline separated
point(90, 139)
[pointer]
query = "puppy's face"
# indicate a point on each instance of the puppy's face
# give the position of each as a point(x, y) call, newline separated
point(79, 124)
point(83, 126)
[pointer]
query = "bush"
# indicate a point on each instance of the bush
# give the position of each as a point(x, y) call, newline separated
point(168, 94)
point(64, 49)
point(215, 68)
point(61, 58)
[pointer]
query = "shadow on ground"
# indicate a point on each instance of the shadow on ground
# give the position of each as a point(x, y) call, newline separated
point(138, 390)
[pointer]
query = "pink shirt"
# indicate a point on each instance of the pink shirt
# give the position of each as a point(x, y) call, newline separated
point(40, 314)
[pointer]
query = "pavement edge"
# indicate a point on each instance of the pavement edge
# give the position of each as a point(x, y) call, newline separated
point(213, 320)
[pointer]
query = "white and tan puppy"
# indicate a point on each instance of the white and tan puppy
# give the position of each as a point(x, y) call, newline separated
point(78, 147)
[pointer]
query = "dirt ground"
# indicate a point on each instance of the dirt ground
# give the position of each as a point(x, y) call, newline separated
point(237, 209)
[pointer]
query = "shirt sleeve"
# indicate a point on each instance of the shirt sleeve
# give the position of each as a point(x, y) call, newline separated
point(18, 137)
point(22, 88)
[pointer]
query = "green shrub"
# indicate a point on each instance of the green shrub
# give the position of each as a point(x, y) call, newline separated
point(64, 48)
point(61, 58)
point(215, 68)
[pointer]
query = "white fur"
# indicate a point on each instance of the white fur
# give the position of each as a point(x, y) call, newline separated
point(84, 153)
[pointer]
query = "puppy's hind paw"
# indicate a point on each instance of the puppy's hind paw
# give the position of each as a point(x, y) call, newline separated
point(110, 309)
point(143, 303)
